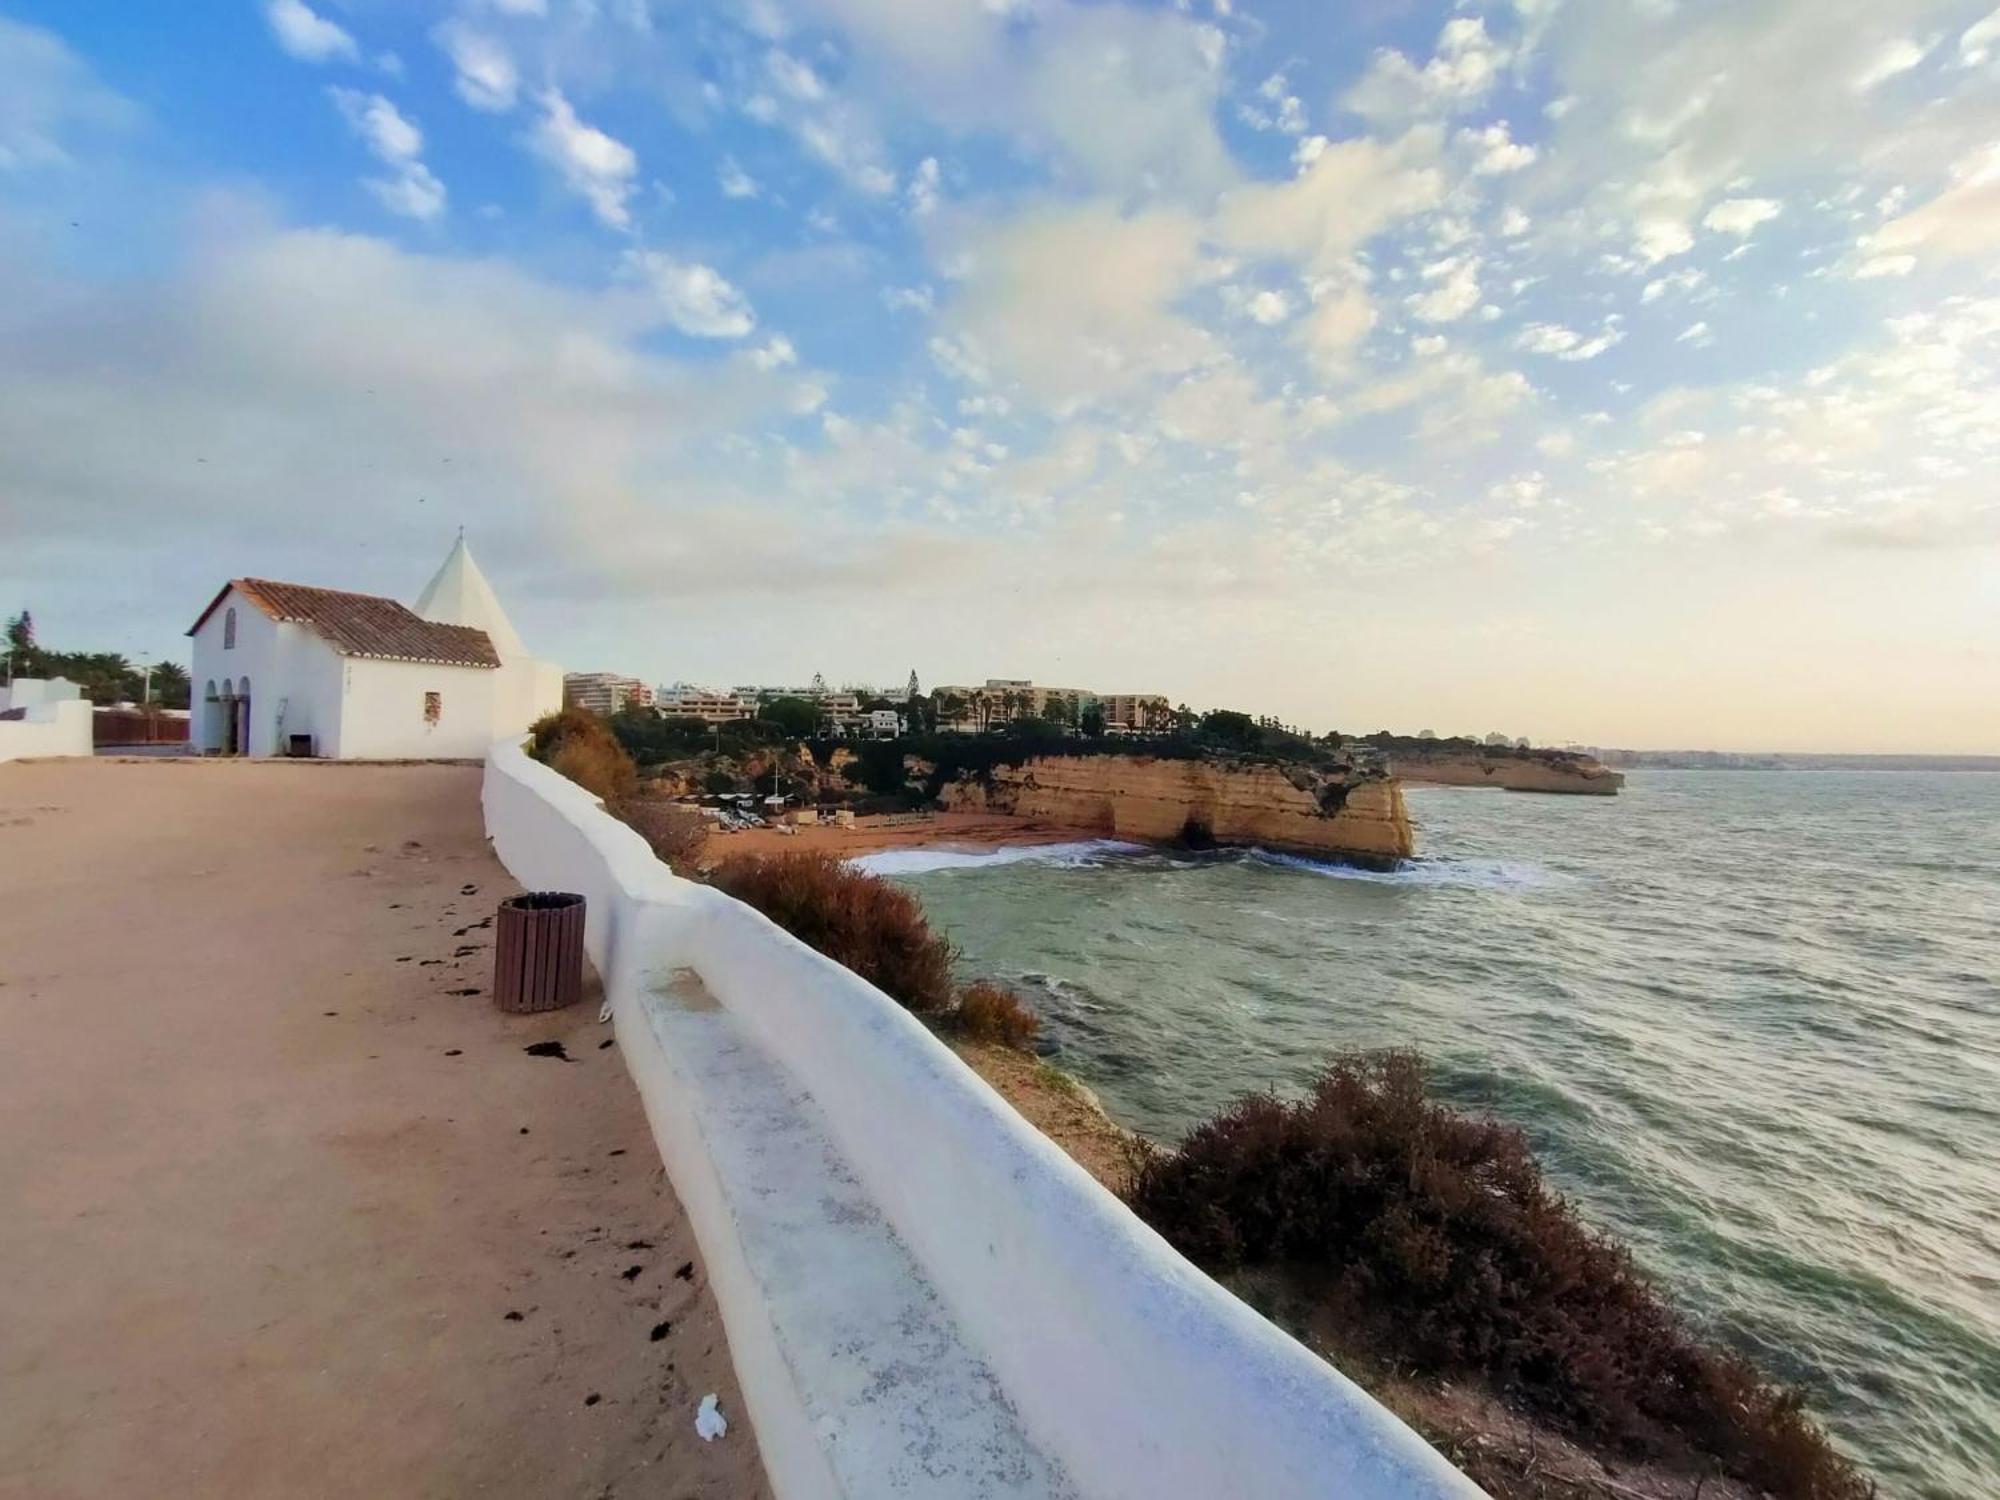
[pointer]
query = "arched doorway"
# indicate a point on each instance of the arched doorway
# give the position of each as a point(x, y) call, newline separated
point(211, 720)
point(241, 739)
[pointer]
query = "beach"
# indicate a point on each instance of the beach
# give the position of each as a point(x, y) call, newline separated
point(955, 832)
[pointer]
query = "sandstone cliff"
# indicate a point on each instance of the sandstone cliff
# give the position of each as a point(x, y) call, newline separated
point(1341, 815)
point(1577, 774)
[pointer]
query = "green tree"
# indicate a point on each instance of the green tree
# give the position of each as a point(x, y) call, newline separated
point(1091, 721)
point(797, 717)
point(21, 632)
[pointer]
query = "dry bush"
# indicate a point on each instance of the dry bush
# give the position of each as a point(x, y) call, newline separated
point(988, 1013)
point(1437, 1242)
point(676, 834)
point(578, 744)
point(863, 921)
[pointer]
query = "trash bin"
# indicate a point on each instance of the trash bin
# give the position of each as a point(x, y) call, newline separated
point(538, 951)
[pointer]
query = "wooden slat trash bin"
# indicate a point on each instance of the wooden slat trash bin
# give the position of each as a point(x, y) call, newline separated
point(538, 951)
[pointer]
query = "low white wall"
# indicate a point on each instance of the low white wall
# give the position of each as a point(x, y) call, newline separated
point(58, 727)
point(1127, 1365)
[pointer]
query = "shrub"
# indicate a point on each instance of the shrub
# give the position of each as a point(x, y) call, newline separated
point(863, 921)
point(1438, 1242)
point(676, 834)
point(581, 746)
point(988, 1013)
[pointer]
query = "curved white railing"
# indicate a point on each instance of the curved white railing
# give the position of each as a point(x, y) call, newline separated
point(1127, 1366)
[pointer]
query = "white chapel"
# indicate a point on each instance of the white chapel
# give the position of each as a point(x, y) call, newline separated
point(285, 669)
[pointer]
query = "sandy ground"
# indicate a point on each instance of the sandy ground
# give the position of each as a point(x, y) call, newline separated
point(287, 1208)
point(970, 832)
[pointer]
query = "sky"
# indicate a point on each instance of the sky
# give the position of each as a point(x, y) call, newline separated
point(1616, 373)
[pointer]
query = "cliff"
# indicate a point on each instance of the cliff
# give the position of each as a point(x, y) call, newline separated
point(1512, 770)
point(1340, 815)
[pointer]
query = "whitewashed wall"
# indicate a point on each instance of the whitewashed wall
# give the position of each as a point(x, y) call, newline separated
point(1126, 1364)
point(56, 722)
point(382, 711)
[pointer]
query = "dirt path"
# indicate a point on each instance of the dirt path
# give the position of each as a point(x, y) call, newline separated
point(287, 1208)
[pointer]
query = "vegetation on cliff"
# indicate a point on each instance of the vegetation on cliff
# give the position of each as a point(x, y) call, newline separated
point(1430, 1239)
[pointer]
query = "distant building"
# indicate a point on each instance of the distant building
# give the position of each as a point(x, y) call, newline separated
point(885, 723)
point(605, 692)
point(288, 669)
point(1001, 700)
point(684, 701)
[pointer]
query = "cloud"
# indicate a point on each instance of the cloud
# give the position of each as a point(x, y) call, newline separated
point(1078, 302)
point(48, 95)
point(922, 192)
point(917, 299)
point(307, 35)
point(1739, 216)
point(483, 71)
point(1697, 334)
point(412, 190)
point(1979, 41)
point(1349, 192)
point(1661, 239)
point(1460, 73)
point(1454, 293)
point(734, 181)
point(1963, 220)
point(1898, 56)
point(1497, 153)
point(1555, 340)
point(1268, 308)
point(596, 167)
point(696, 298)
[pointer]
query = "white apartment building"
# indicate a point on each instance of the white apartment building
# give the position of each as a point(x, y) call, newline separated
point(605, 692)
point(685, 701)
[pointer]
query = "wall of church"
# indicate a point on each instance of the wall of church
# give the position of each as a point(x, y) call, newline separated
point(291, 676)
point(384, 713)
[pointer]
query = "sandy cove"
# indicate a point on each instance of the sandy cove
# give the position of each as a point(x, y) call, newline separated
point(958, 832)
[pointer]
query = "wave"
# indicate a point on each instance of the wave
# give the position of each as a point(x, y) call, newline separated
point(1491, 874)
point(922, 861)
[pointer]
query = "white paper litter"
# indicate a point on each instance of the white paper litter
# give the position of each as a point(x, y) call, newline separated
point(709, 1422)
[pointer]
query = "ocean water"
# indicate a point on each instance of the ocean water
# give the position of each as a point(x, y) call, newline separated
point(1750, 1021)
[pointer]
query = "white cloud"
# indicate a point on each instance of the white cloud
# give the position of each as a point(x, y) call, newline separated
point(1898, 56)
point(1345, 195)
point(1555, 340)
point(917, 299)
point(922, 192)
point(48, 95)
point(1455, 291)
point(734, 181)
point(1274, 108)
point(1269, 308)
point(1514, 223)
point(776, 354)
point(412, 190)
point(1661, 239)
point(597, 168)
point(1341, 318)
point(1697, 334)
point(308, 35)
point(1460, 73)
point(483, 71)
point(1979, 41)
point(1739, 216)
point(1877, 266)
point(1495, 151)
point(1963, 220)
point(1684, 280)
point(696, 298)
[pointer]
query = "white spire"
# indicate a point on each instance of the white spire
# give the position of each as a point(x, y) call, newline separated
point(460, 595)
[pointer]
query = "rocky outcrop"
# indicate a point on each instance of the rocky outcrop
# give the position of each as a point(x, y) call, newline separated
point(1345, 815)
point(1511, 770)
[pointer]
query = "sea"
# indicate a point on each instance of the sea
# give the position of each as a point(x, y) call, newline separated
point(1750, 1021)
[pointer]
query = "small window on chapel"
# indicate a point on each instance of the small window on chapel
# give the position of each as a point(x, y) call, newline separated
point(229, 629)
point(433, 707)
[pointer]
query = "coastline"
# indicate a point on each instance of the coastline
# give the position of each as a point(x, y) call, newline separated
point(950, 832)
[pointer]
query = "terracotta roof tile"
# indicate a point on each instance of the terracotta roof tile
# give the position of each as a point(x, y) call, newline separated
point(369, 625)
